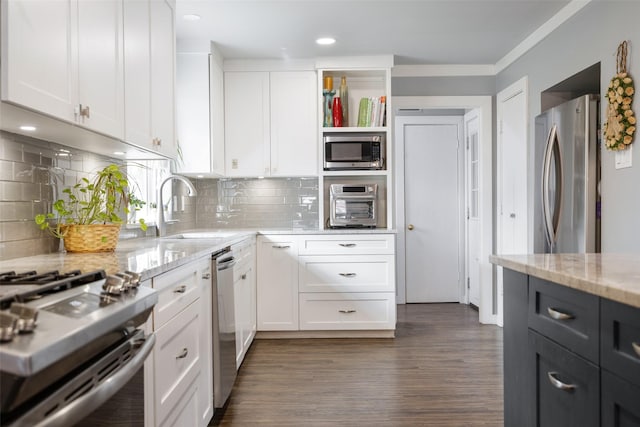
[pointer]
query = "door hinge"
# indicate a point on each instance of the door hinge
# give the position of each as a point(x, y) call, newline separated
point(501, 126)
point(468, 282)
point(467, 142)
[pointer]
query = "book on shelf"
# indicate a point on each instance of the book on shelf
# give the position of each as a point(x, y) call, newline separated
point(372, 111)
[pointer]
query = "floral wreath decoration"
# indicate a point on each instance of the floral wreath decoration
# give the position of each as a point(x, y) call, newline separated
point(621, 121)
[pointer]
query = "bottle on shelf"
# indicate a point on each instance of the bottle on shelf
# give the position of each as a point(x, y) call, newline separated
point(328, 93)
point(344, 99)
point(337, 112)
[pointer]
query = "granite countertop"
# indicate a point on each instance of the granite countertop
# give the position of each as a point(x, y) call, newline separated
point(151, 256)
point(612, 276)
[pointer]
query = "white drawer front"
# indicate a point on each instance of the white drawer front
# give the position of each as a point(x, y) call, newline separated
point(186, 412)
point(356, 273)
point(176, 289)
point(176, 359)
point(347, 311)
point(347, 244)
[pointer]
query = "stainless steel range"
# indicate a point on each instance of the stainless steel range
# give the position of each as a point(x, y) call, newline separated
point(68, 343)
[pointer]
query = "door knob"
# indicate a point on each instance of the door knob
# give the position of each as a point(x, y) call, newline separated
point(410, 227)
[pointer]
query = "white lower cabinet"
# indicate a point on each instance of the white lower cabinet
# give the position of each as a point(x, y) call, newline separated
point(277, 291)
point(341, 282)
point(182, 357)
point(244, 289)
point(347, 311)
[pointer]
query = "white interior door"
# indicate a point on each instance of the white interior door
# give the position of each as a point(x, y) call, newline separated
point(512, 184)
point(473, 197)
point(432, 209)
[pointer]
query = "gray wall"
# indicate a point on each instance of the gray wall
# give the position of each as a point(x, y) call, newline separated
point(592, 36)
point(443, 86)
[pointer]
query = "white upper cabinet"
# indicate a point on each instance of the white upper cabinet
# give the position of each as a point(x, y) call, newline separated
point(65, 59)
point(294, 134)
point(200, 113)
point(163, 76)
point(270, 123)
point(247, 125)
point(137, 73)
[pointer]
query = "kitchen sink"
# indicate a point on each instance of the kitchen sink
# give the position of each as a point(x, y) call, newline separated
point(202, 235)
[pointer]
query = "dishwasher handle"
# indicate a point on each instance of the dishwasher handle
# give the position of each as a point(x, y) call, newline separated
point(226, 263)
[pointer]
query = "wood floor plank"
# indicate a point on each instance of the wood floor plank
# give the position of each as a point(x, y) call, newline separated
point(442, 369)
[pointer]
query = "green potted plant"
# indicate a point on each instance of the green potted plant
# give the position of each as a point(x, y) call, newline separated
point(89, 218)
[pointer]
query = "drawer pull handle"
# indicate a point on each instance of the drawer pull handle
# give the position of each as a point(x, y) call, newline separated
point(559, 384)
point(558, 315)
point(206, 276)
point(347, 274)
point(347, 245)
point(280, 246)
point(346, 311)
point(244, 276)
point(636, 348)
point(180, 289)
point(183, 353)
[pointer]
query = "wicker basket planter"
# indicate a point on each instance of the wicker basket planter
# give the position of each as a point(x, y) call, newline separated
point(91, 237)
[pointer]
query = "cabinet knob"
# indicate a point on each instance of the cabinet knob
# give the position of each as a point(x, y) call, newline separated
point(180, 289)
point(85, 111)
point(410, 227)
point(183, 353)
point(206, 276)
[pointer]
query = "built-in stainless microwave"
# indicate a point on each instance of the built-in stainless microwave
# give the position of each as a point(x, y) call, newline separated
point(353, 205)
point(361, 151)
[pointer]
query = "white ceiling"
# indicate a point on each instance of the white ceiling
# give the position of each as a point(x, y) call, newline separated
point(415, 31)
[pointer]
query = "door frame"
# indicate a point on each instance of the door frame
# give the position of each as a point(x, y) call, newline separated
point(472, 115)
point(487, 313)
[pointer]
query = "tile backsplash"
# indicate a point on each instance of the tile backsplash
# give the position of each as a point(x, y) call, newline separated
point(33, 173)
point(276, 203)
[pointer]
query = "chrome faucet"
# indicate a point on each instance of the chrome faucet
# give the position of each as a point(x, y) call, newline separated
point(162, 224)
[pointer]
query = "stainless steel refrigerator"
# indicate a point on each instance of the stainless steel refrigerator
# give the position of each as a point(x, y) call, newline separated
point(567, 173)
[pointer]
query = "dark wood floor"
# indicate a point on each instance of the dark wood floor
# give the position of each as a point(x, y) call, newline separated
point(442, 369)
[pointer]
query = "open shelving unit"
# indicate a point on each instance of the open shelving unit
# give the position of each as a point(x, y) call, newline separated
point(363, 81)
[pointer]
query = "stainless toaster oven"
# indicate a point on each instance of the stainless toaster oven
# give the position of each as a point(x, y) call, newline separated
point(353, 205)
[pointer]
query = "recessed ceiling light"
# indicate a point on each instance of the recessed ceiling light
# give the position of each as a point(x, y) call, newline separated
point(326, 40)
point(191, 17)
point(28, 128)
point(119, 153)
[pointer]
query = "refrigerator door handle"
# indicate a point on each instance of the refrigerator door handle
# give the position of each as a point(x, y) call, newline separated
point(552, 220)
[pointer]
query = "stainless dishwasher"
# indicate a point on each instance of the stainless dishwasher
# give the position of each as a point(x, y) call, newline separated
point(224, 326)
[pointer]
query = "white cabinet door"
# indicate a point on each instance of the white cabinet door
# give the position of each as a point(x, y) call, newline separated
point(38, 56)
point(192, 112)
point(100, 66)
point(137, 73)
point(247, 123)
point(216, 108)
point(277, 287)
point(294, 128)
point(205, 400)
point(163, 76)
point(244, 298)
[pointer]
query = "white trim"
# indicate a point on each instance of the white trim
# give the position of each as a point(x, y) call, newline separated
point(543, 31)
point(268, 65)
point(354, 62)
point(484, 104)
point(457, 70)
point(443, 70)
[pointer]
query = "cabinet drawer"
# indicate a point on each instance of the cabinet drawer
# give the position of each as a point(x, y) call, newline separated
point(620, 399)
point(567, 316)
point(177, 359)
point(620, 340)
point(176, 289)
point(347, 244)
point(357, 273)
point(567, 386)
point(345, 311)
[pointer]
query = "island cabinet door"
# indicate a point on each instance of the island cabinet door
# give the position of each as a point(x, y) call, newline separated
point(567, 386)
point(620, 402)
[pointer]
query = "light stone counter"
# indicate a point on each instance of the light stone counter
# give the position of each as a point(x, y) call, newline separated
point(152, 256)
point(612, 276)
